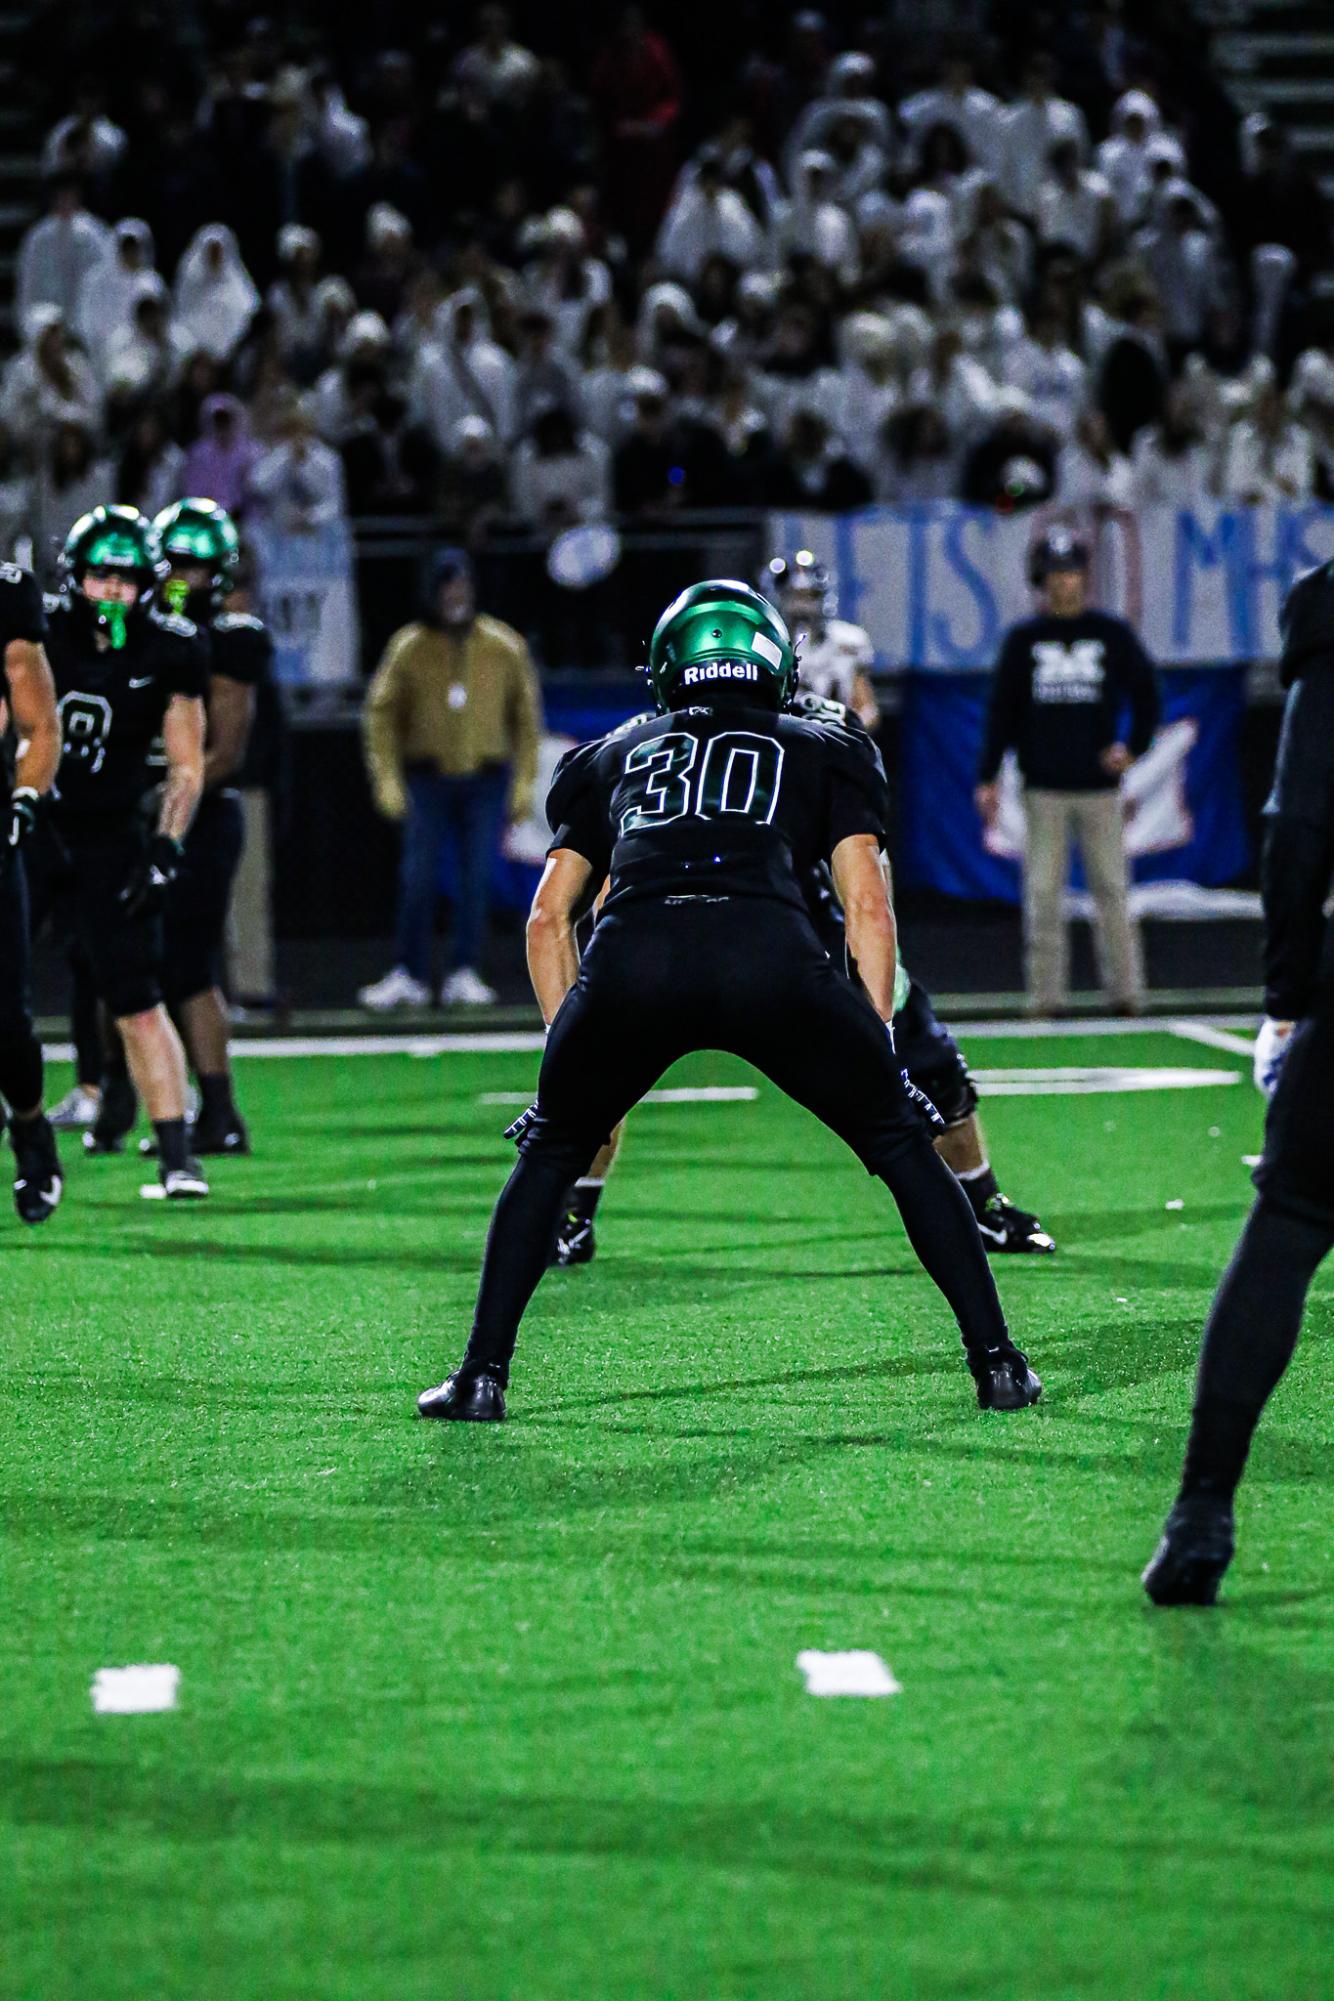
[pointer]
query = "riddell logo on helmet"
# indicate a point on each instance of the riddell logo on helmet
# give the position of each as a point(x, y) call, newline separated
point(720, 670)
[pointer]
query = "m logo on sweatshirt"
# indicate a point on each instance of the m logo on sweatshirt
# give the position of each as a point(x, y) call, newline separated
point(1072, 673)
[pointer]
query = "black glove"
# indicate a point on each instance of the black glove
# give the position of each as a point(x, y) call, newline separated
point(19, 824)
point(151, 877)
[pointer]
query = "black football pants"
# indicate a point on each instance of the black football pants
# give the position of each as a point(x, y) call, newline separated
point(20, 1051)
point(1257, 1314)
point(749, 976)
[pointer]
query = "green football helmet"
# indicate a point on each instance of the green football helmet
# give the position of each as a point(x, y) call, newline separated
point(115, 541)
point(721, 631)
point(199, 532)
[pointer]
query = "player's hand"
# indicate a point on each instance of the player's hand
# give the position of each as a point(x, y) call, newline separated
point(1116, 759)
point(392, 802)
point(21, 821)
point(987, 801)
point(1271, 1049)
point(151, 877)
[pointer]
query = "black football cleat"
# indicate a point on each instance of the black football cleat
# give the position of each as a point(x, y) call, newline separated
point(177, 1184)
point(1006, 1230)
point(116, 1114)
point(467, 1397)
point(210, 1137)
point(38, 1184)
point(1005, 1381)
point(576, 1240)
point(1198, 1540)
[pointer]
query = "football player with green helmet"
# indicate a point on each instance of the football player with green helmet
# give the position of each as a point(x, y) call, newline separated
point(706, 818)
point(128, 672)
point(203, 550)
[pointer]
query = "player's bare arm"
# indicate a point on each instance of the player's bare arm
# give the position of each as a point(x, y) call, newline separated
point(864, 704)
point(553, 955)
point(231, 711)
point(183, 742)
point(869, 917)
point(32, 694)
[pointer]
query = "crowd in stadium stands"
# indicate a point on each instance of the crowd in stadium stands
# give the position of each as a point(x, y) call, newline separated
point(491, 283)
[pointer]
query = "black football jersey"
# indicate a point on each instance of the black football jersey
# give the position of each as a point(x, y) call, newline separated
point(241, 648)
point(22, 616)
point(112, 703)
point(724, 801)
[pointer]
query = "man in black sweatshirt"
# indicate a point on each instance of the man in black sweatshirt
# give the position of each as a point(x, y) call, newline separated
point(1257, 1314)
point(1065, 685)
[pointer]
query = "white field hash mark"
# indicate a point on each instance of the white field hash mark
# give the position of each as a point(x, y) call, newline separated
point(856, 1672)
point(135, 1691)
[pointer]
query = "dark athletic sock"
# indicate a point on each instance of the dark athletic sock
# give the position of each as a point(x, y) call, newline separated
point(584, 1198)
point(21, 1071)
point(170, 1143)
point(943, 1232)
point(979, 1184)
point(215, 1096)
point(1249, 1341)
point(518, 1247)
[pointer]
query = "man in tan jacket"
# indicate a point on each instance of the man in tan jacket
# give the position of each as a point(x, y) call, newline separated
point(452, 724)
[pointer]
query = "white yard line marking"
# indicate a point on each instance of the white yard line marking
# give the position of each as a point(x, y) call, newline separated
point(682, 1094)
point(856, 1672)
point(1213, 1038)
point(1090, 1083)
point(135, 1691)
point(528, 1042)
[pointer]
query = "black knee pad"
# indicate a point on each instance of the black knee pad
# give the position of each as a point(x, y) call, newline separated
point(133, 994)
point(191, 966)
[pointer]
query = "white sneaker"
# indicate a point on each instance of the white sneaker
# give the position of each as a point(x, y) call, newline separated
point(76, 1111)
point(396, 989)
point(466, 988)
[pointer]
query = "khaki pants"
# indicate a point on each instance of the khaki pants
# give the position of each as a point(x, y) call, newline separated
point(1095, 820)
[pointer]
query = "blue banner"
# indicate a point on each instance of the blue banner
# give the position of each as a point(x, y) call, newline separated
point(1185, 813)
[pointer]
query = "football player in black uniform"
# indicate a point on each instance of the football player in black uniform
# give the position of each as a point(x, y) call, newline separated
point(28, 708)
point(126, 672)
point(706, 819)
point(200, 542)
point(928, 1052)
point(1257, 1314)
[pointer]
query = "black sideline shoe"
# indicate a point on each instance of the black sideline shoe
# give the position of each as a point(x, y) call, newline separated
point(466, 1397)
point(1005, 1381)
point(1198, 1540)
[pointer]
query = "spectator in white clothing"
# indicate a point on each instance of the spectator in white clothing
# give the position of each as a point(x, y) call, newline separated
point(1049, 373)
point(462, 372)
point(108, 293)
point(956, 101)
point(815, 223)
point(560, 476)
point(58, 252)
point(707, 219)
point(1031, 126)
point(1183, 261)
point(145, 356)
point(48, 383)
point(1173, 463)
point(1090, 472)
point(849, 95)
point(495, 65)
point(1268, 456)
point(1128, 157)
point(1074, 205)
point(299, 484)
point(293, 297)
point(87, 142)
point(216, 298)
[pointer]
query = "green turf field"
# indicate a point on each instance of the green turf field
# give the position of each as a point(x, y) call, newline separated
point(511, 1714)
